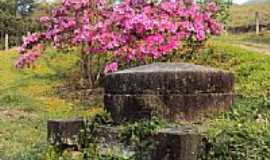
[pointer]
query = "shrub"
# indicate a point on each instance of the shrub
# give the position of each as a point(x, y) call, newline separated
point(128, 33)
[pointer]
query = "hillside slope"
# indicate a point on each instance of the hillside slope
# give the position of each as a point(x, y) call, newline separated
point(256, 1)
point(244, 15)
point(28, 99)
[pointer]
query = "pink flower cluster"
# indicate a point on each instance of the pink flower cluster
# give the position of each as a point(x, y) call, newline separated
point(133, 29)
point(28, 58)
point(112, 67)
point(29, 42)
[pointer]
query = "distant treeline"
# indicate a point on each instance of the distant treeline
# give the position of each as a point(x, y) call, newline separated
point(242, 17)
point(20, 17)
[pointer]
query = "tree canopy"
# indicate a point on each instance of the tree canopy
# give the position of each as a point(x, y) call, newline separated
point(16, 19)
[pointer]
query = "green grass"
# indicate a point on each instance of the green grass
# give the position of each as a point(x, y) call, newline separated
point(252, 69)
point(241, 133)
point(28, 99)
point(244, 131)
point(262, 39)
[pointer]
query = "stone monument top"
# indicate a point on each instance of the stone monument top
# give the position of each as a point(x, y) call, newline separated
point(168, 67)
point(175, 91)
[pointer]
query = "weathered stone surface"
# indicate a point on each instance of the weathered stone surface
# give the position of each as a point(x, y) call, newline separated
point(65, 133)
point(169, 78)
point(171, 107)
point(173, 91)
point(181, 143)
point(74, 135)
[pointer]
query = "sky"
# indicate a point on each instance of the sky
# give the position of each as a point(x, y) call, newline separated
point(240, 1)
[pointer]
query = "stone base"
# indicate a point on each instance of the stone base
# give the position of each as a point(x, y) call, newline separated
point(180, 143)
point(171, 107)
point(174, 91)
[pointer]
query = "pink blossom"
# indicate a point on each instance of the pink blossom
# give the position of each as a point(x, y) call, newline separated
point(133, 30)
point(112, 67)
point(44, 20)
point(212, 7)
point(200, 35)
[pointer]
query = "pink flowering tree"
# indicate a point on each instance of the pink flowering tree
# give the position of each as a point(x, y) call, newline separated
point(130, 32)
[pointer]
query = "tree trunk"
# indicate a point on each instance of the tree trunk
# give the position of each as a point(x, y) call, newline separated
point(86, 71)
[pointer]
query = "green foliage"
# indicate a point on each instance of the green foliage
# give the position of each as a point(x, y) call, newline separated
point(224, 6)
point(251, 69)
point(242, 133)
point(250, 38)
point(37, 152)
point(224, 10)
point(17, 7)
point(16, 27)
point(138, 131)
point(136, 134)
point(28, 99)
point(139, 134)
point(90, 135)
point(16, 20)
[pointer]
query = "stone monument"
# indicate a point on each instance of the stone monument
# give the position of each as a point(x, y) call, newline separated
point(174, 91)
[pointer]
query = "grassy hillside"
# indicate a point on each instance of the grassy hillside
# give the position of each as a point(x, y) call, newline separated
point(263, 39)
point(244, 131)
point(244, 15)
point(28, 99)
point(251, 68)
point(256, 1)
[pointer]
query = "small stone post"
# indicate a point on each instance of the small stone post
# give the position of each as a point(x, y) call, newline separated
point(65, 133)
point(257, 18)
point(177, 144)
point(6, 42)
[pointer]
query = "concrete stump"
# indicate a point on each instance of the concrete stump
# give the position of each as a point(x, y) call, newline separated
point(65, 133)
point(181, 143)
point(174, 91)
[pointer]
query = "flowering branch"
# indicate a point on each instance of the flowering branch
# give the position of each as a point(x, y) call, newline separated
point(132, 30)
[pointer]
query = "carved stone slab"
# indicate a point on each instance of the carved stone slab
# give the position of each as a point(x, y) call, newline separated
point(175, 91)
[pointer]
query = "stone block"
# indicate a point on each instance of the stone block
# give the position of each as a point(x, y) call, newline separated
point(65, 133)
point(173, 91)
point(182, 143)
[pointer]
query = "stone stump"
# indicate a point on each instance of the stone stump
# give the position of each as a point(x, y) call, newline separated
point(174, 91)
point(182, 143)
point(65, 133)
point(177, 143)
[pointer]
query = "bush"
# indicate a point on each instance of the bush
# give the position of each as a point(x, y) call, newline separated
point(242, 133)
point(129, 33)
